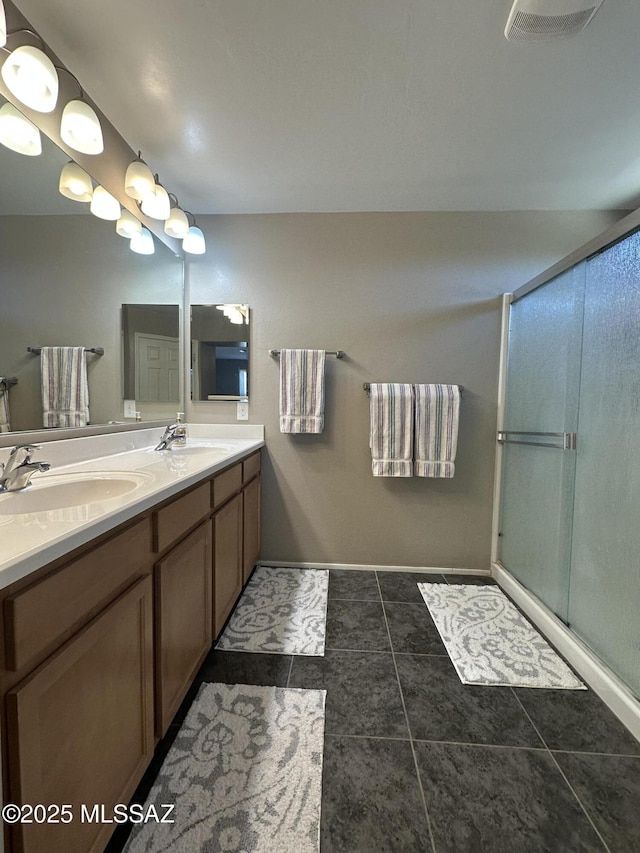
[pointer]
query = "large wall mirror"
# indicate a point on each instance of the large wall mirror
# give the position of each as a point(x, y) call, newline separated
point(65, 277)
point(219, 352)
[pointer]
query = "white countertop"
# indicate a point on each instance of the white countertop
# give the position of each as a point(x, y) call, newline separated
point(30, 540)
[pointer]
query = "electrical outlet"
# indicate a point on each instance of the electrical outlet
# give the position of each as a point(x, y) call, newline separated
point(242, 410)
point(129, 408)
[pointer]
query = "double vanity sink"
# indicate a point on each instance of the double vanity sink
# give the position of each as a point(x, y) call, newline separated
point(99, 482)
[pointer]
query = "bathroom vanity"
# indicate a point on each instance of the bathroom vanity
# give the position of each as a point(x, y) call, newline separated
point(109, 613)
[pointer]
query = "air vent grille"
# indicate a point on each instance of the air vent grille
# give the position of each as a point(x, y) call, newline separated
point(530, 27)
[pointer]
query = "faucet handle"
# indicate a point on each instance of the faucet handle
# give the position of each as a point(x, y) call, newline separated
point(27, 449)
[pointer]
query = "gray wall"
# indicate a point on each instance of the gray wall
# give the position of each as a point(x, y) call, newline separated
point(410, 297)
point(64, 279)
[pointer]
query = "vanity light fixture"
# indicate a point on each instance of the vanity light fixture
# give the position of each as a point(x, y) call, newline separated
point(30, 75)
point(236, 314)
point(142, 244)
point(75, 183)
point(156, 204)
point(104, 205)
point(177, 225)
point(128, 225)
point(18, 133)
point(3, 25)
point(80, 128)
point(138, 180)
point(193, 242)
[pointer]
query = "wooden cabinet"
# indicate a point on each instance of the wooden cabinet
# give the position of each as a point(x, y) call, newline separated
point(227, 560)
point(251, 527)
point(80, 727)
point(183, 620)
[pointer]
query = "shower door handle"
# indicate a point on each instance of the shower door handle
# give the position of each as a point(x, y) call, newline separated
point(569, 439)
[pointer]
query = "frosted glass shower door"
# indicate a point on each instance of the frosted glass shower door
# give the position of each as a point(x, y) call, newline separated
point(604, 595)
point(543, 376)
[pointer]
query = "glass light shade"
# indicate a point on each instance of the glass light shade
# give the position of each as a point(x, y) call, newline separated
point(139, 180)
point(236, 316)
point(31, 77)
point(177, 225)
point(80, 128)
point(18, 133)
point(156, 204)
point(3, 26)
point(75, 183)
point(193, 243)
point(104, 205)
point(128, 225)
point(142, 243)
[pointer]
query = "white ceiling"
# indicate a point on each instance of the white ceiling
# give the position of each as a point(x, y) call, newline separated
point(251, 106)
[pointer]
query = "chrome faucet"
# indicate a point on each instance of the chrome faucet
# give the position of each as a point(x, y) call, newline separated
point(174, 435)
point(17, 473)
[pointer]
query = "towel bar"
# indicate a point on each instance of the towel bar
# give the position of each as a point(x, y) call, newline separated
point(95, 350)
point(340, 353)
point(367, 387)
point(9, 381)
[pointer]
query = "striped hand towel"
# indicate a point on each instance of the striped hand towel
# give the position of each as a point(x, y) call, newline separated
point(302, 390)
point(65, 390)
point(391, 437)
point(437, 411)
point(5, 419)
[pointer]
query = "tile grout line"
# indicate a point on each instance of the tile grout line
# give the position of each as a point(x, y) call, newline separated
point(561, 771)
point(406, 718)
point(290, 668)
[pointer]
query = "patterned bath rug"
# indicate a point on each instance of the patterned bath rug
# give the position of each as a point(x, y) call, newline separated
point(490, 642)
point(282, 612)
point(244, 773)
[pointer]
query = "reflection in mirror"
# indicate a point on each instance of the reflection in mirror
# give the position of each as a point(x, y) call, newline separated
point(219, 352)
point(151, 353)
point(65, 276)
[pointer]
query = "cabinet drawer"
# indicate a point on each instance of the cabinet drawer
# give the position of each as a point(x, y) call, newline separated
point(174, 519)
point(40, 617)
point(251, 467)
point(226, 484)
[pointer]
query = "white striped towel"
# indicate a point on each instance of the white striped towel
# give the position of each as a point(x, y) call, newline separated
point(391, 436)
point(302, 390)
point(5, 418)
point(65, 390)
point(437, 413)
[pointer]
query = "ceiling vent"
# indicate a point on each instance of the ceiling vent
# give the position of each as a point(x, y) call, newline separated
point(546, 20)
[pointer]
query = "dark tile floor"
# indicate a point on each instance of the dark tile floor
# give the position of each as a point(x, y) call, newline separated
point(416, 761)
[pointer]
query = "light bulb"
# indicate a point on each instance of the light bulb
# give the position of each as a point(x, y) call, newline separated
point(31, 77)
point(156, 204)
point(18, 133)
point(75, 183)
point(177, 225)
point(194, 243)
point(139, 180)
point(142, 244)
point(128, 225)
point(104, 205)
point(80, 128)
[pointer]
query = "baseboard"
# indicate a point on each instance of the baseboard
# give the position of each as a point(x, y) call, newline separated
point(595, 672)
point(357, 567)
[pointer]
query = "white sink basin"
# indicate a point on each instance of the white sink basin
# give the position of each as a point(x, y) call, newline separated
point(59, 491)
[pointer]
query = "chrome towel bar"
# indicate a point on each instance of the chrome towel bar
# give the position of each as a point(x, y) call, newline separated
point(340, 353)
point(367, 387)
point(569, 439)
point(95, 350)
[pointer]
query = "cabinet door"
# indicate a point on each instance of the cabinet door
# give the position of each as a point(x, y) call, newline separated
point(80, 728)
point(183, 620)
point(251, 512)
point(227, 560)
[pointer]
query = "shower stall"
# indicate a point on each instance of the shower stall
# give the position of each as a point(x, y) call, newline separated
point(569, 509)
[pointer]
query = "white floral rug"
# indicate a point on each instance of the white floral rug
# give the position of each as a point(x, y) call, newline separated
point(244, 773)
point(281, 611)
point(490, 642)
